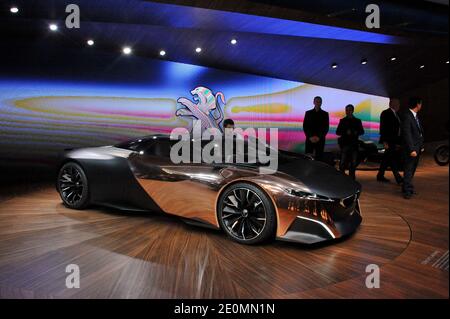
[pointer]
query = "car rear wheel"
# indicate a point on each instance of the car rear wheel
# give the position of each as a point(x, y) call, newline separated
point(246, 214)
point(73, 186)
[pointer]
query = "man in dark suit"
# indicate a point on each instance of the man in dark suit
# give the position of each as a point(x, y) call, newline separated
point(390, 137)
point(349, 129)
point(412, 133)
point(316, 125)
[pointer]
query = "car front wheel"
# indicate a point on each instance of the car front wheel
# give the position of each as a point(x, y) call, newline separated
point(246, 214)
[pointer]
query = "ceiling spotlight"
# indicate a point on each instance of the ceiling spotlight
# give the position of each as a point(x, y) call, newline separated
point(14, 9)
point(162, 53)
point(393, 58)
point(126, 50)
point(334, 65)
point(233, 41)
point(446, 62)
point(422, 66)
point(198, 50)
point(364, 61)
point(90, 42)
point(53, 27)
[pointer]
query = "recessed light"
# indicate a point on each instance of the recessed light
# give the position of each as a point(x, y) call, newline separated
point(162, 53)
point(422, 66)
point(14, 9)
point(446, 62)
point(198, 50)
point(393, 58)
point(334, 65)
point(126, 50)
point(364, 61)
point(90, 42)
point(53, 27)
point(233, 41)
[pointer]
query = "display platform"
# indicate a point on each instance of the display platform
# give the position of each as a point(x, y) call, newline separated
point(135, 255)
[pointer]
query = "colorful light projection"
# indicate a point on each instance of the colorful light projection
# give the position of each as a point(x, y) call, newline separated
point(40, 118)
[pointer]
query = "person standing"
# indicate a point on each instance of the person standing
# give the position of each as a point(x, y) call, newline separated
point(412, 133)
point(349, 130)
point(316, 125)
point(390, 137)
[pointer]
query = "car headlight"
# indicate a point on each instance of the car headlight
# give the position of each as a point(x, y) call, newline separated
point(308, 196)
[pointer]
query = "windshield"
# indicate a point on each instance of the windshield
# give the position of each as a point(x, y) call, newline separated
point(237, 150)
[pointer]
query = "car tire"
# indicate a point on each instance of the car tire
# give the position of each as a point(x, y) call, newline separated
point(73, 187)
point(441, 155)
point(246, 214)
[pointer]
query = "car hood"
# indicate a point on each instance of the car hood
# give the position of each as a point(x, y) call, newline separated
point(320, 178)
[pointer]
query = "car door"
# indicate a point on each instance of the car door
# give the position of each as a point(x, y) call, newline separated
point(188, 190)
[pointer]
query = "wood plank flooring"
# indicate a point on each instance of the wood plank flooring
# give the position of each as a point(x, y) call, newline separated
point(129, 255)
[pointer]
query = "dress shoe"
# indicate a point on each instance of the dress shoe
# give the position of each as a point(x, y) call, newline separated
point(407, 195)
point(399, 181)
point(382, 179)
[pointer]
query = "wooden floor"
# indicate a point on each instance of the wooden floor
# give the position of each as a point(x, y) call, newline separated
point(143, 256)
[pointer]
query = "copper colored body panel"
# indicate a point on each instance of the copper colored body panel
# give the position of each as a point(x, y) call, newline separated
point(192, 190)
point(289, 207)
point(312, 202)
point(186, 190)
point(171, 197)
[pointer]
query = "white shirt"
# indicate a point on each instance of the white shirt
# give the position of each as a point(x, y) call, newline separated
point(415, 117)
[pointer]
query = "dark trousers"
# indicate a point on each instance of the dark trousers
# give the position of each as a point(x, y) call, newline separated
point(315, 148)
point(409, 171)
point(390, 159)
point(349, 158)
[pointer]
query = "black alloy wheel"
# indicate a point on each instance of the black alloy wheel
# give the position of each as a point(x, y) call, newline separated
point(73, 186)
point(246, 214)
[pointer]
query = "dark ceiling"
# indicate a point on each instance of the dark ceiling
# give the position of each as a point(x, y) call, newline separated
point(279, 39)
point(428, 16)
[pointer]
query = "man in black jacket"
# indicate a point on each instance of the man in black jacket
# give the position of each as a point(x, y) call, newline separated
point(412, 133)
point(349, 129)
point(390, 137)
point(316, 125)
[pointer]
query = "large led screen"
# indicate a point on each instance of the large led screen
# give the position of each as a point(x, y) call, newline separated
point(46, 111)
